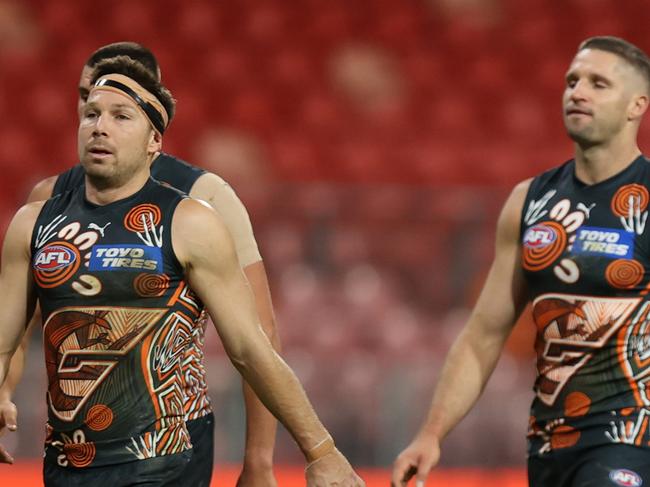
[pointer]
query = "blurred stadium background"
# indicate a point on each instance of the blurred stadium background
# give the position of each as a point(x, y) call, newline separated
point(373, 142)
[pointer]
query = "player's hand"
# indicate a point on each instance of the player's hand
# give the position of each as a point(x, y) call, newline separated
point(332, 470)
point(256, 477)
point(416, 460)
point(8, 422)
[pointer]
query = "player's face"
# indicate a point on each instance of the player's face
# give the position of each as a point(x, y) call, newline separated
point(84, 87)
point(597, 96)
point(115, 139)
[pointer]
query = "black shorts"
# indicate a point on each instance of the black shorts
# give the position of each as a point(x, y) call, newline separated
point(165, 471)
point(198, 472)
point(602, 466)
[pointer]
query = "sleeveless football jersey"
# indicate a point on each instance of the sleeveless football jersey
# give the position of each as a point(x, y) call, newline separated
point(182, 176)
point(118, 318)
point(586, 256)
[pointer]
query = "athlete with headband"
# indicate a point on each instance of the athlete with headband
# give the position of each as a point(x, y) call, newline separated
point(260, 424)
point(119, 305)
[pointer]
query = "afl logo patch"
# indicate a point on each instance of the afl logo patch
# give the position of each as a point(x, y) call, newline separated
point(539, 236)
point(55, 263)
point(626, 478)
point(542, 245)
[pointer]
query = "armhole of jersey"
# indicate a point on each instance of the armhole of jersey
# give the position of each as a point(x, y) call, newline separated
point(32, 243)
point(522, 223)
point(176, 262)
point(56, 189)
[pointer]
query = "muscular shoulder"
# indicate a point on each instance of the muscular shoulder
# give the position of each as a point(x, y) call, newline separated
point(197, 229)
point(19, 233)
point(43, 190)
point(191, 212)
point(29, 212)
point(519, 192)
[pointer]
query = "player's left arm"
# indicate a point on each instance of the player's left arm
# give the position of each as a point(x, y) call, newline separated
point(204, 248)
point(260, 424)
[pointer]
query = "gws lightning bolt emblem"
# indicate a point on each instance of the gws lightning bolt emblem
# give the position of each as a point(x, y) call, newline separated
point(569, 330)
point(83, 346)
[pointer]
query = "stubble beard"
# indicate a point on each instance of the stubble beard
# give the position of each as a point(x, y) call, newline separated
point(585, 137)
point(582, 138)
point(103, 179)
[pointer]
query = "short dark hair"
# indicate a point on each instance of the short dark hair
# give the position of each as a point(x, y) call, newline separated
point(131, 49)
point(627, 51)
point(135, 70)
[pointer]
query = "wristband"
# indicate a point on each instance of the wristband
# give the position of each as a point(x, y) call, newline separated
point(320, 450)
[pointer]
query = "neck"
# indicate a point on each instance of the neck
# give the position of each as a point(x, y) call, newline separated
point(599, 162)
point(103, 192)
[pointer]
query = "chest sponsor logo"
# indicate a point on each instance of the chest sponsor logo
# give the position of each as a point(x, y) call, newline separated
point(626, 478)
point(126, 257)
point(54, 257)
point(539, 236)
point(606, 242)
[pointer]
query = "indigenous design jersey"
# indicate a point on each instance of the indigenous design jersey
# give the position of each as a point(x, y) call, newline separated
point(585, 254)
point(117, 321)
point(182, 176)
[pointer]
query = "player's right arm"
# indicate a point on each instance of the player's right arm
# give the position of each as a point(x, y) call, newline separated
point(17, 298)
point(475, 352)
point(8, 412)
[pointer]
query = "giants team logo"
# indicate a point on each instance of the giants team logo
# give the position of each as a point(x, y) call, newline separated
point(626, 478)
point(55, 263)
point(82, 347)
point(570, 329)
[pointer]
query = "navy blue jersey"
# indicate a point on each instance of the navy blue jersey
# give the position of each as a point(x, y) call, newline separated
point(118, 319)
point(182, 176)
point(585, 255)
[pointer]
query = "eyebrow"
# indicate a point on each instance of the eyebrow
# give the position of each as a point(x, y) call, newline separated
point(123, 105)
point(597, 76)
point(115, 106)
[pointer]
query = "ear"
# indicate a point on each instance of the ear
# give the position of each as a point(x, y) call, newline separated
point(155, 142)
point(638, 106)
